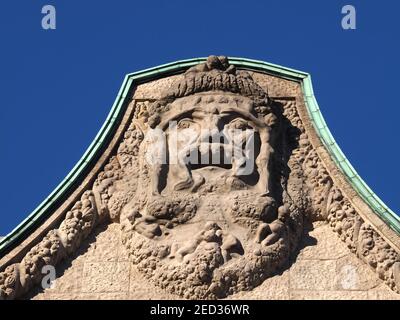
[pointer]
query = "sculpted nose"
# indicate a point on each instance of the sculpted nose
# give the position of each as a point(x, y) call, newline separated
point(210, 131)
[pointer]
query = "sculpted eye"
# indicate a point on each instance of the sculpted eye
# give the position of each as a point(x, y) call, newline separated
point(185, 123)
point(239, 124)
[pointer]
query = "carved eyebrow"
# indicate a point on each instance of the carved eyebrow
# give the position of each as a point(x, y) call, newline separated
point(176, 117)
point(198, 113)
point(243, 114)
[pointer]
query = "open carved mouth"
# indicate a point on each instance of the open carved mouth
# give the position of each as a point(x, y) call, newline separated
point(217, 155)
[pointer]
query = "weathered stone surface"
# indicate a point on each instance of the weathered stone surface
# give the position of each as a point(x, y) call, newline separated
point(329, 295)
point(274, 288)
point(212, 226)
point(352, 274)
point(292, 283)
point(85, 296)
point(276, 87)
point(141, 288)
point(313, 275)
point(106, 277)
point(382, 292)
point(321, 244)
point(102, 246)
point(154, 89)
point(70, 280)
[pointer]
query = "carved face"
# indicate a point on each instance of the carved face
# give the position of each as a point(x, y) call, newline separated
point(210, 141)
point(206, 221)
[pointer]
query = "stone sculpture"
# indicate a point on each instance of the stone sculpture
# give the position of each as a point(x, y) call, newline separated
point(211, 185)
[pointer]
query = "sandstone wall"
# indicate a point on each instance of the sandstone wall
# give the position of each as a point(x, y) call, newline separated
point(323, 269)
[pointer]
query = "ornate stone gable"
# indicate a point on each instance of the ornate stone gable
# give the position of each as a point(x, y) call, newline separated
point(211, 229)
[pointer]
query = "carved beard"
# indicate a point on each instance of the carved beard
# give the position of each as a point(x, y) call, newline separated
point(205, 256)
point(207, 246)
point(214, 238)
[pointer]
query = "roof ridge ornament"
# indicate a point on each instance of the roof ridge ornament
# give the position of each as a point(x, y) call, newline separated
point(216, 74)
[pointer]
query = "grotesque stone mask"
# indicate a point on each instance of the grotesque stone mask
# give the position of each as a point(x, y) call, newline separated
point(212, 214)
point(210, 184)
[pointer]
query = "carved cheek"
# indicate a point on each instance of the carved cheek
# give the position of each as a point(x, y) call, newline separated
point(239, 138)
point(188, 135)
point(155, 147)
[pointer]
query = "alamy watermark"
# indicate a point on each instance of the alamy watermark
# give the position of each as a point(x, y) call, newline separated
point(49, 18)
point(49, 278)
point(349, 20)
point(349, 277)
point(208, 147)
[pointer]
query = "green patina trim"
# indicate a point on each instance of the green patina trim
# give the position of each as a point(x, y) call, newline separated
point(77, 174)
point(374, 202)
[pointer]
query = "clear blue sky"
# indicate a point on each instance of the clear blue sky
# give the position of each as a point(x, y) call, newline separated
point(57, 86)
